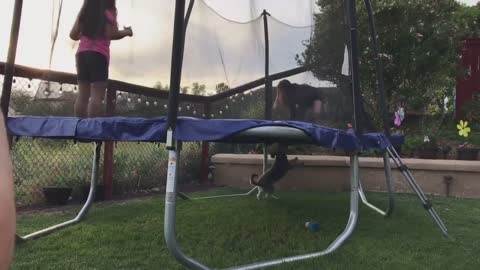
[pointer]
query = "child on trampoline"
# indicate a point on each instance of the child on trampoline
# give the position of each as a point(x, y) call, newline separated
point(96, 25)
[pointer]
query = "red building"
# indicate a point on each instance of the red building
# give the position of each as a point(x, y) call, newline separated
point(469, 86)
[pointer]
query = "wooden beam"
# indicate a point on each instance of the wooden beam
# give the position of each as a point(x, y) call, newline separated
point(256, 83)
point(69, 78)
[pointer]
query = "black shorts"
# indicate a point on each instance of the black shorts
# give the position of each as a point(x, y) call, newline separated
point(91, 67)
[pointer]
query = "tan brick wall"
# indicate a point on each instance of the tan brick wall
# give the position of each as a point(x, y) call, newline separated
point(332, 174)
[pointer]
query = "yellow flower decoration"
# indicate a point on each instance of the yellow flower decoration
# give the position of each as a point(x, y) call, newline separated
point(463, 128)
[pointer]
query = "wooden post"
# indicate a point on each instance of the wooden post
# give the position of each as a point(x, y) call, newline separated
point(10, 65)
point(204, 163)
point(109, 146)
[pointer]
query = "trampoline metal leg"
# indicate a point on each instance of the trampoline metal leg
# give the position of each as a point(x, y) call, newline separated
point(352, 221)
point(388, 178)
point(85, 208)
point(170, 215)
point(421, 195)
point(190, 263)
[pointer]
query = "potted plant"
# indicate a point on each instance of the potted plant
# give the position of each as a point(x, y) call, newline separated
point(99, 191)
point(429, 148)
point(466, 150)
point(59, 192)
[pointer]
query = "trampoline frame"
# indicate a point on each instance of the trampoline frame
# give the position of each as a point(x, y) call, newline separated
point(276, 134)
point(356, 192)
point(83, 211)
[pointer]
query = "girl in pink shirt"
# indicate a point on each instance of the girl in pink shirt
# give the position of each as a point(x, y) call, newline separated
point(95, 26)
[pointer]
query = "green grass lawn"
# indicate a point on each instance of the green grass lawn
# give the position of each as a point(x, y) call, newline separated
point(226, 232)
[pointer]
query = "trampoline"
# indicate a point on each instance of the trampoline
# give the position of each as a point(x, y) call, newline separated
point(173, 130)
point(98, 130)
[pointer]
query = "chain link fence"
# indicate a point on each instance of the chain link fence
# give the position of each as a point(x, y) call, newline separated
point(137, 167)
point(42, 163)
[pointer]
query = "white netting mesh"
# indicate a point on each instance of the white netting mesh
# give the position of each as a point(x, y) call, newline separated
point(224, 43)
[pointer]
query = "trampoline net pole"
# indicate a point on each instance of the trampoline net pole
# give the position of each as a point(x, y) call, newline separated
point(176, 69)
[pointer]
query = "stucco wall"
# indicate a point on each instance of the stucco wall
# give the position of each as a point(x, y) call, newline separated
point(331, 174)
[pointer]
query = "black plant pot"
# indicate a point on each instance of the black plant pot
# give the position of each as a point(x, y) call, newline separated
point(467, 153)
point(99, 193)
point(57, 195)
point(428, 153)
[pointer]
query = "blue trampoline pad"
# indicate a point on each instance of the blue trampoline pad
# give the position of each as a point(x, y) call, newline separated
point(195, 129)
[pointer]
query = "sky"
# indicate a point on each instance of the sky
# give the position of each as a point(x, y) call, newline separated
point(217, 50)
point(220, 46)
point(469, 2)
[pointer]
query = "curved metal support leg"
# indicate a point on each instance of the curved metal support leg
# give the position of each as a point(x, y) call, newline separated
point(352, 221)
point(193, 264)
point(413, 184)
point(85, 208)
point(391, 199)
point(170, 215)
point(264, 168)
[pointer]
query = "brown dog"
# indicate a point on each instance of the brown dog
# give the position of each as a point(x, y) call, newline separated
point(281, 165)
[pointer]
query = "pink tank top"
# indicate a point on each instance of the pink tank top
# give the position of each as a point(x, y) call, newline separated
point(101, 44)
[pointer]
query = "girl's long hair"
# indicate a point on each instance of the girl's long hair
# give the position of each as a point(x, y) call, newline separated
point(92, 17)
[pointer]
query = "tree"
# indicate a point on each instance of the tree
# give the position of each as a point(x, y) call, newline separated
point(221, 87)
point(160, 86)
point(418, 41)
point(198, 89)
point(325, 51)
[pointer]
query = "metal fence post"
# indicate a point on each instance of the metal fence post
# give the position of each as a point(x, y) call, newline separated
point(205, 153)
point(110, 103)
